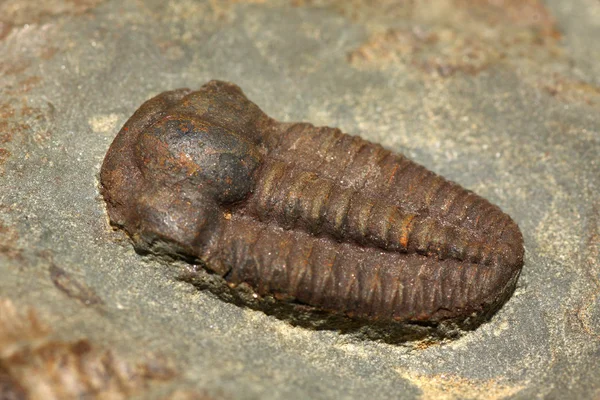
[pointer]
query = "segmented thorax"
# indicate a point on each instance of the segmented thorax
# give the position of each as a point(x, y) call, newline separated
point(306, 214)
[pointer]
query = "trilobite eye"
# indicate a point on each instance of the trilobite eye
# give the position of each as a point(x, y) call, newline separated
point(199, 156)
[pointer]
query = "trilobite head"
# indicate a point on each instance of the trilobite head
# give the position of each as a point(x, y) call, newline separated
point(311, 215)
point(198, 155)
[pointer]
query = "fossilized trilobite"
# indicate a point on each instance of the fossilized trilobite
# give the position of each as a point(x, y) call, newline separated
point(307, 219)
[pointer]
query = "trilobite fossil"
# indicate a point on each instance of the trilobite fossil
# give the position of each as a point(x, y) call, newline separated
point(305, 222)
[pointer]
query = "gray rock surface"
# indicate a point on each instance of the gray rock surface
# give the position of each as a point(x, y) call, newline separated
point(502, 97)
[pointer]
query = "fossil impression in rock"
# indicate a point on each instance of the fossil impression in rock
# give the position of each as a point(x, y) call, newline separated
point(308, 221)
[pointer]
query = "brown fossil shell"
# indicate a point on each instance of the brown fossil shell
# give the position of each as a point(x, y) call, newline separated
point(306, 219)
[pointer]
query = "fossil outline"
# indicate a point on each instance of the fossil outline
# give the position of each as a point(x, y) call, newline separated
point(305, 215)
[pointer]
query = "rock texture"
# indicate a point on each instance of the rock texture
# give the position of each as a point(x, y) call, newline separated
point(501, 97)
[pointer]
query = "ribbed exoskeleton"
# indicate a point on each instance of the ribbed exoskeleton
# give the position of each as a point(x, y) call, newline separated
point(305, 215)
